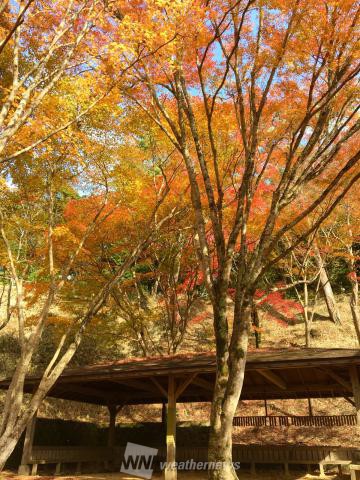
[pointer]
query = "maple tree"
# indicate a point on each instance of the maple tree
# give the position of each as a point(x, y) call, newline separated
point(260, 101)
point(61, 205)
point(341, 234)
point(57, 87)
point(304, 273)
point(51, 280)
point(104, 105)
point(159, 302)
point(34, 63)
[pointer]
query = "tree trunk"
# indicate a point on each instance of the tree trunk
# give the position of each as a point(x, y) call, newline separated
point(256, 325)
point(8, 442)
point(6, 449)
point(229, 381)
point(220, 450)
point(327, 289)
point(307, 333)
point(354, 305)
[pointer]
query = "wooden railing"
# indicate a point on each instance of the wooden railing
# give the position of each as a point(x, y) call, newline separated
point(298, 421)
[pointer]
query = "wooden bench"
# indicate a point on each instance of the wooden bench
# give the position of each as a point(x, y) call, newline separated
point(355, 472)
point(61, 455)
point(246, 454)
point(339, 463)
point(285, 455)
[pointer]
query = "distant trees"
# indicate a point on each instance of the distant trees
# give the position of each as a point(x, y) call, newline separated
point(343, 236)
point(332, 308)
point(304, 273)
point(161, 302)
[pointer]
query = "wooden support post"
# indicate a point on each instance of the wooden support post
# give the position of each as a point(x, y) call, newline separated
point(266, 408)
point(163, 414)
point(24, 468)
point(170, 471)
point(111, 434)
point(355, 472)
point(286, 470)
point(354, 375)
point(78, 468)
point(310, 407)
point(112, 421)
point(58, 469)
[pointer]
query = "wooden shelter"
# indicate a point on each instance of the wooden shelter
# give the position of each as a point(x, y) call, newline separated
point(270, 374)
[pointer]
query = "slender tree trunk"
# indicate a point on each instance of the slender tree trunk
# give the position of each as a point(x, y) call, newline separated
point(354, 297)
point(256, 325)
point(6, 449)
point(229, 381)
point(327, 289)
point(307, 333)
point(11, 436)
point(306, 316)
point(354, 304)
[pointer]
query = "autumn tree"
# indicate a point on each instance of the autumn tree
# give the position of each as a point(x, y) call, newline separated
point(302, 270)
point(342, 235)
point(40, 44)
point(254, 96)
point(160, 302)
point(60, 64)
point(329, 296)
point(47, 238)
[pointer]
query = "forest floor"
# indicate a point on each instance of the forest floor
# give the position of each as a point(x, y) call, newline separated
point(274, 335)
point(261, 475)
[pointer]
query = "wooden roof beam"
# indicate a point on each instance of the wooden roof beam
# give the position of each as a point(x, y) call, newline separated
point(272, 377)
point(138, 385)
point(200, 382)
point(181, 388)
point(349, 400)
point(161, 389)
point(293, 389)
point(92, 392)
point(338, 379)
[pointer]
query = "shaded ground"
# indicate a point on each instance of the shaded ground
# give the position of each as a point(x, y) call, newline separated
point(261, 475)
